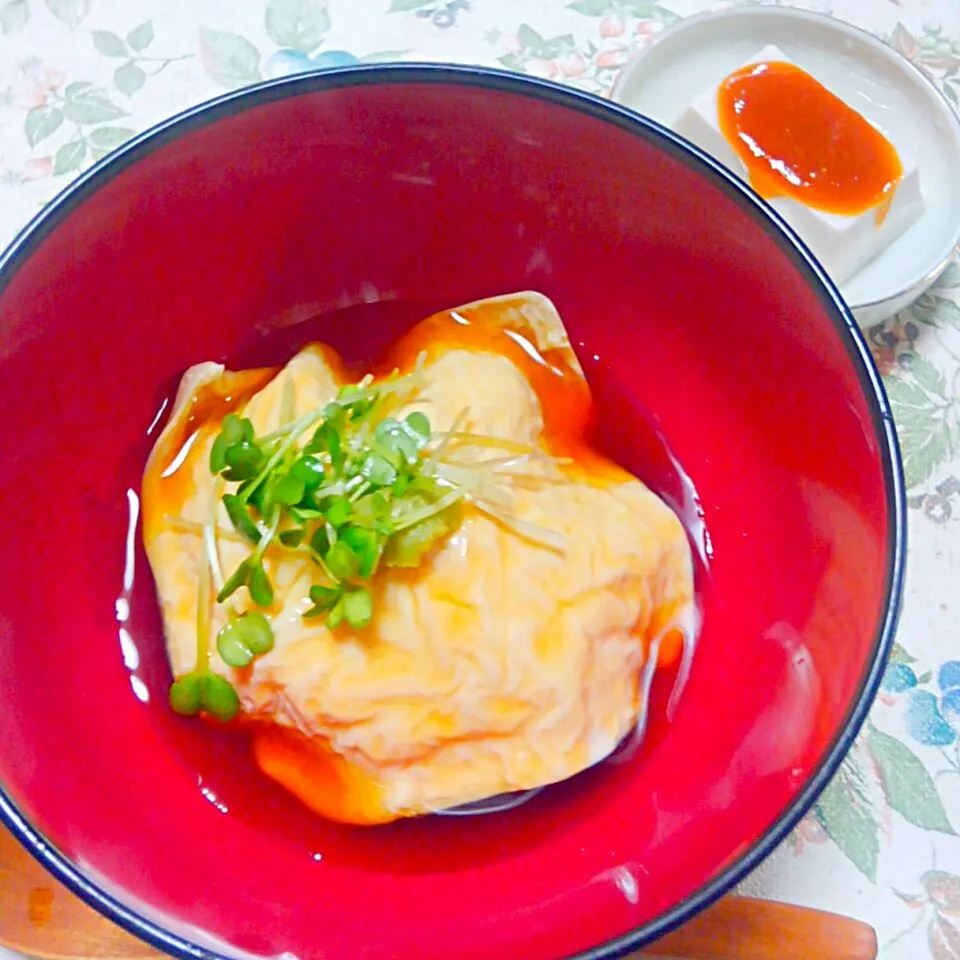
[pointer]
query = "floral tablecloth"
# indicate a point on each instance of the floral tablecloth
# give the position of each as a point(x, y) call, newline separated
point(78, 77)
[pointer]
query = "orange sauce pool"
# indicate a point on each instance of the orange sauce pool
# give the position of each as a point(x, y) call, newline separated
point(798, 140)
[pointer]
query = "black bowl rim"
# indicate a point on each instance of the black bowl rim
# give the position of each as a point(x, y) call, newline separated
point(503, 81)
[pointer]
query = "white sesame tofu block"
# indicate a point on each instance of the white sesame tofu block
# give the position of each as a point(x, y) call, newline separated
point(843, 244)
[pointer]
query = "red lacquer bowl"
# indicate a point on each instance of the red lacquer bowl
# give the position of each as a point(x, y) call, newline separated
point(431, 185)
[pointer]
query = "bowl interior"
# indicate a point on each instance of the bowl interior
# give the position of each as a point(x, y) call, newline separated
point(428, 186)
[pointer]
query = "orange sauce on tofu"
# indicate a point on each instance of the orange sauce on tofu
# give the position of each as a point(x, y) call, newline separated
point(166, 485)
point(566, 404)
point(798, 140)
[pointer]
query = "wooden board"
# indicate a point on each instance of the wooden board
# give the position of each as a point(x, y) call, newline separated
point(40, 917)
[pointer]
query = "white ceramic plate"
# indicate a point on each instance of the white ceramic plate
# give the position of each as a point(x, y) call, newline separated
point(870, 76)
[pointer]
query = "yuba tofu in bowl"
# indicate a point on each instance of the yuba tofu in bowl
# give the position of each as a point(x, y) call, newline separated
point(353, 551)
point(466, 526)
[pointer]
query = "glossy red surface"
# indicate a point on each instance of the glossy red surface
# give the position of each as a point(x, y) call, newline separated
point(672, 291)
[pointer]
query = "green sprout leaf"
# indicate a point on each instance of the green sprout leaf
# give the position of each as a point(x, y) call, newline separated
point(358, 409)
point(310, 470)
point(218, 454)
point(244, 638)
point(240, 517)
point(301, 514)
point(358, 608)
point(335, 616)
point(418, 426)
point(335, 414)
point(243, 460)
point(235, 429)
point(342, 562)
point(256, 631)
point(204, 691)
point(220, 700)
point(337, 510)
point(186, 695)
point(368, 510)
point(356, 406)
point(237, 579)
point(365, 544)
point(231, 646)
point(320, 542)
point(396, 438)
point(378, 470)
point(328, 440)
point(261, 590)
point(324, 599)
point(408, 547)
point(289, 490)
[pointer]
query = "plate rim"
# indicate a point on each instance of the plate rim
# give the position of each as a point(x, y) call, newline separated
point(924, 279)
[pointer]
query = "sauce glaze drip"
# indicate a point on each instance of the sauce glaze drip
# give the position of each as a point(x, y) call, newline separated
point(798, 140)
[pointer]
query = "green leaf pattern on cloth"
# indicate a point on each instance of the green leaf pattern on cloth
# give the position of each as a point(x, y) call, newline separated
point(906, 784)
point(845, 813)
